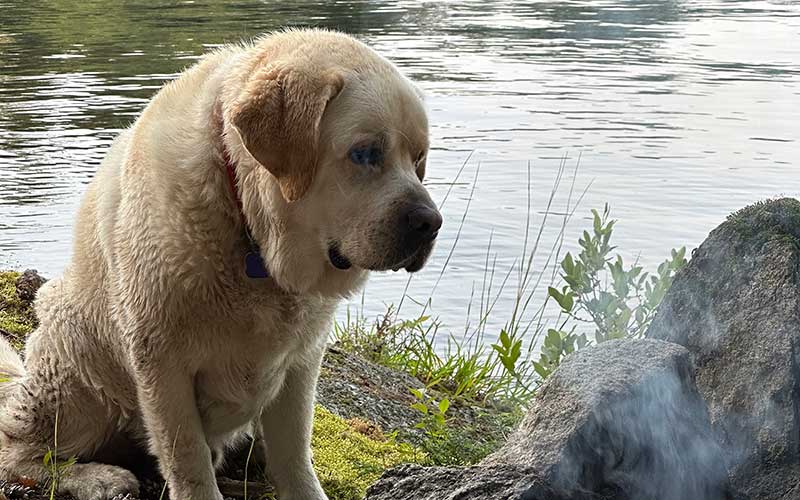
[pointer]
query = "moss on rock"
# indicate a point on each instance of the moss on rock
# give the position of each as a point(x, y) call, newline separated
point(354, 387)
point(347, 460)
point(766, 220)
point(17, 318)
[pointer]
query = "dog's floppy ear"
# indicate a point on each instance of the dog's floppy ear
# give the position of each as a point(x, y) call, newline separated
point(278, 118)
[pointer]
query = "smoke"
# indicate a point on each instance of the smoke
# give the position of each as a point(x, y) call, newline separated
point(656, 443)
point(624, 420)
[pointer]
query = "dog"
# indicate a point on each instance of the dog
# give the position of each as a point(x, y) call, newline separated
point(252, 194)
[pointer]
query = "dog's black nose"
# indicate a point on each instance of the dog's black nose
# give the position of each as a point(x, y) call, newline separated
point(424, 222)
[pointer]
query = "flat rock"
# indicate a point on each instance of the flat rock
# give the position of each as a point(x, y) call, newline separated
point(736, 308)
point(352, 387)
point(498, 482)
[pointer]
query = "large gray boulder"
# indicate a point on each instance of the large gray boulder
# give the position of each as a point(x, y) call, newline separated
point(621, 420)
point(736, 307)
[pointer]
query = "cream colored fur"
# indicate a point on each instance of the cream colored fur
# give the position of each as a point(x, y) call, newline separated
point(154, 335)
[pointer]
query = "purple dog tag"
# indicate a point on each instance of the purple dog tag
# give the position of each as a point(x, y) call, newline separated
point(254, 266)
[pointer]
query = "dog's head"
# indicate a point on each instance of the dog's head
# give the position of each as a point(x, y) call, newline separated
point(344, 139)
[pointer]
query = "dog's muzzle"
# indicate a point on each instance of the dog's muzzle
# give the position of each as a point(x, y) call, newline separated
point(417, 229)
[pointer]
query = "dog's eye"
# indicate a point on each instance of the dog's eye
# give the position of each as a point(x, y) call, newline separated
point(419, 166)
point(367, 155)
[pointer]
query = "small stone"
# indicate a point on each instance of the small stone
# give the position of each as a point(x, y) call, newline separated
point(28, 284)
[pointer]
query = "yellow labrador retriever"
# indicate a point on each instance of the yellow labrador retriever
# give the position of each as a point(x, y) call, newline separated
point(211, 249)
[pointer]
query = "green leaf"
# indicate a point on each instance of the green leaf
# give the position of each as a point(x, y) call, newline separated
point(541, 370)
point(504, 339)
point(572, 282)
point(508, 364)
point(597, 223)
point(516, 351)
point(587, 239)
point(568, 265)
point(444, 405)
point(624, 318)
point(565, 300)
point(420, 407)
point(553, 337)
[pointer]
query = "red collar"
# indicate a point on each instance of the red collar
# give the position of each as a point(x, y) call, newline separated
point(231, 171)
point(254, 265)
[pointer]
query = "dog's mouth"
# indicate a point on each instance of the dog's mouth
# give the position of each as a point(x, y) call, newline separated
point(338, 260)
point(411, 263)
point(416, 260)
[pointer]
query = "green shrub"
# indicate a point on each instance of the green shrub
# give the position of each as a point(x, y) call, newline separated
point(448, 443)
point(618, 301)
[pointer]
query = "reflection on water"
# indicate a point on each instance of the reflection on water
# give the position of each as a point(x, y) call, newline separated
point(682, 111)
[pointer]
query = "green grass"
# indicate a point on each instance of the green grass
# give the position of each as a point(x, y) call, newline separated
point(55, 468)
point(767, 220)
point(348, 461)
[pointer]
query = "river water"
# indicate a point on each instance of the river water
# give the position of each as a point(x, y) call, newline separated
point(675, 113)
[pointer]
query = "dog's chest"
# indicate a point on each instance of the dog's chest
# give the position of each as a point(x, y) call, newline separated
point(253, 356)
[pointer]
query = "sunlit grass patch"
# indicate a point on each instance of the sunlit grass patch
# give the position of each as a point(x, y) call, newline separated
point(348, 460)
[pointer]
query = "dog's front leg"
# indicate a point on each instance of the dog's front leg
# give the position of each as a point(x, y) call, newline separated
point(166, 395)
point(286, 429)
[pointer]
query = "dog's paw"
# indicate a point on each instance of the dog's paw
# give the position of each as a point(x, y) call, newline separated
point(94, 481)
